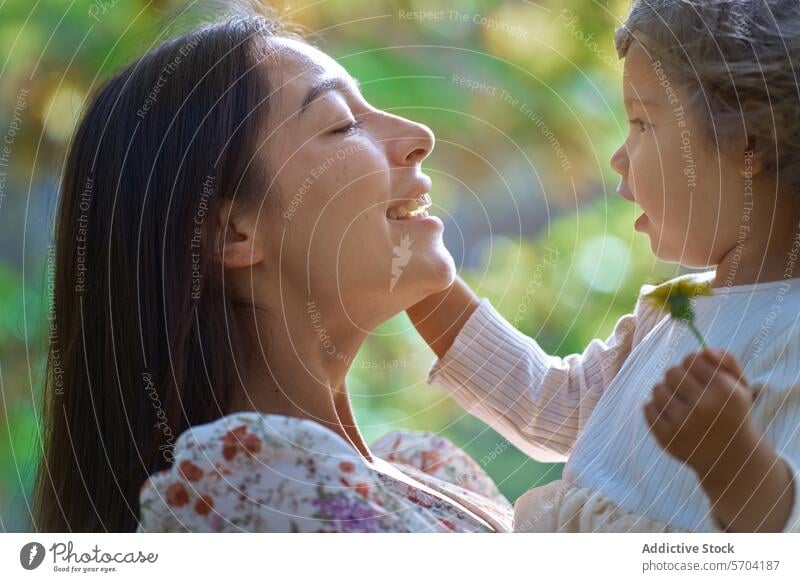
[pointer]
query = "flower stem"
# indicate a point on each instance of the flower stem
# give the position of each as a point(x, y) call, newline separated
point(696, 333)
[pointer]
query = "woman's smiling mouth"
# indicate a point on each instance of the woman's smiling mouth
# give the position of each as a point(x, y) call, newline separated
point(408, 209)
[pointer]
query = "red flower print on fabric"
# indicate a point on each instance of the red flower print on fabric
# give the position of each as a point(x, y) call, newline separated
point(177, 495)
point(237, 440)
point(190, 471)
point(204, 505)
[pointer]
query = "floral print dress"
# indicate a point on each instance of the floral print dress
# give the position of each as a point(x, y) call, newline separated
point(270, 473)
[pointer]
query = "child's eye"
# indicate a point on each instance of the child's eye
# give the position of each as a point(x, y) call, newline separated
point(348, 129)
point(642, 125)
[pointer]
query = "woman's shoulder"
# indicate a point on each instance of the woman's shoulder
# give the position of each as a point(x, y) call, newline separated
point(256, 434)
point(271, 473)
point(262, 472)
point(243, 441)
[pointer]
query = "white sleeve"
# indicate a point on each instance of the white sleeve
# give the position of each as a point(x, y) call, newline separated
point(539, 402)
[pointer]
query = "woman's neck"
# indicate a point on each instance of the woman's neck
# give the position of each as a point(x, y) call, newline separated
point(301, 366)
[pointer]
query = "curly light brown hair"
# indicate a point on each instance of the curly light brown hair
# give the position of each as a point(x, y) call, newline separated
point(736, 61)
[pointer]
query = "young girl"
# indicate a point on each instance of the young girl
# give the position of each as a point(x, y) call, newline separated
point(713, 160)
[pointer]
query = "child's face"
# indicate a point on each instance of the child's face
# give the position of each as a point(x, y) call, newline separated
point(673, 173)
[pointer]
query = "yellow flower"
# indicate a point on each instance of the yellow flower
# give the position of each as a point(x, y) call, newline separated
point(676, 296)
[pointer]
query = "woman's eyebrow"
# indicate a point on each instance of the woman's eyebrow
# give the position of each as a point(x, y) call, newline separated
point(329, 84)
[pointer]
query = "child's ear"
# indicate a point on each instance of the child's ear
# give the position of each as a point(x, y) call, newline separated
point(753, 159)
point(237, 245)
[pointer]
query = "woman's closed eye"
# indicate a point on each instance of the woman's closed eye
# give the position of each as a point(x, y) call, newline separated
point(351, 127)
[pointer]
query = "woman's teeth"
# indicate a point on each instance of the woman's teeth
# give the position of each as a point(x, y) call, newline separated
point(410, 209)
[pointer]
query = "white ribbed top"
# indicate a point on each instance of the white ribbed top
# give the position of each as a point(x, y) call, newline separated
point(586, 408)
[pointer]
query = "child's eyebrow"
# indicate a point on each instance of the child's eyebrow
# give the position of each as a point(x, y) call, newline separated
point(646, 103)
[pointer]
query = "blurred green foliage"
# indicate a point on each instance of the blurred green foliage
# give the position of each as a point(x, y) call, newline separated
point(524, 99)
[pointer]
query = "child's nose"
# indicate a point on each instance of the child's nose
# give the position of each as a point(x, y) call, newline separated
point(619, 160)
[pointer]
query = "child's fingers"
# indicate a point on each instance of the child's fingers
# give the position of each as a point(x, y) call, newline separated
point(677, 410)
point(663, 401)
point(659, 425)
point(659, 395)
point(683, 384)
point(663, 397)
point(689, 389)
point(702, 369)
point(726, 361)
point(675, 376)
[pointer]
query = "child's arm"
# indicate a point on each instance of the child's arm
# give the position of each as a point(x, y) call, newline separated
point(439, 317)
point(700, 414)
point(539, 402)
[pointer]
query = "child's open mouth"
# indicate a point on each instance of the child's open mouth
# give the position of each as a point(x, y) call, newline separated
point(417, 208)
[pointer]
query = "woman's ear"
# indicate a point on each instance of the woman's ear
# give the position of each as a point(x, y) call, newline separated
point(237, 244)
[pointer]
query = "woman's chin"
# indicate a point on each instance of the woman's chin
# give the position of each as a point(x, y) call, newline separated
point(435, 274)
point(446, 273)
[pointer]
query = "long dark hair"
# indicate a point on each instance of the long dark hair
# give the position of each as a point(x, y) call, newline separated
point(142, 339)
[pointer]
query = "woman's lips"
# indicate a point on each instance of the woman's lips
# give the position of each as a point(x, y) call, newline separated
point(640, 222)
point(428, 220)
point(404, 210)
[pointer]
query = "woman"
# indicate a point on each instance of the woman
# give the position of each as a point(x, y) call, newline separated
point(234, 220)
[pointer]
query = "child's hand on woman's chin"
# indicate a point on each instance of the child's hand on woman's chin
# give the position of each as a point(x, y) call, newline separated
point(699, 413)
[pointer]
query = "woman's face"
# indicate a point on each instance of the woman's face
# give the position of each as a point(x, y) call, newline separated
point(342, 170)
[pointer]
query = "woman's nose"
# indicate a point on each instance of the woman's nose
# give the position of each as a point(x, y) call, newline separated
point(410, 143)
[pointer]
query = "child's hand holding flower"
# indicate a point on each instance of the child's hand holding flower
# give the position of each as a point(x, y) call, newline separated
point(700, 411)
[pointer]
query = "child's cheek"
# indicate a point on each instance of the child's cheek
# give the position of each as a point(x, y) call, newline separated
point(646, 178)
